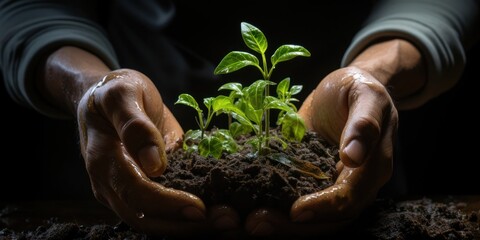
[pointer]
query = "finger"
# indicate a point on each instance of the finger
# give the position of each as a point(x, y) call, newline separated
point(155, 225)
point(354, 189)
point(171, 130)
point(121, 101)
point(224, 218)
point(270, 222)
point(229, 225)
point(144, 195)
point(109, 164)
point(368, 103)
point(147, 206)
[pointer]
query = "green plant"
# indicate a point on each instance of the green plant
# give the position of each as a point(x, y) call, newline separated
point(248, 108)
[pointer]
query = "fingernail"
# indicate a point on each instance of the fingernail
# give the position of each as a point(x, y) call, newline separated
point(224, 223)
point(263, 229)
point(193, 213)
point(150, 159)
point(355, 151)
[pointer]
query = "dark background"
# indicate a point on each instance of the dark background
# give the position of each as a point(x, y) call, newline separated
point(41, 158)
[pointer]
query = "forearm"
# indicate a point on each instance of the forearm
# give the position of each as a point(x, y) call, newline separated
point(441, 30)
point(67, 74)
point(397, 64)
point(30, 31)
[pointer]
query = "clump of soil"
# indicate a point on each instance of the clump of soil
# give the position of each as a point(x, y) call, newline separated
point(246, 181)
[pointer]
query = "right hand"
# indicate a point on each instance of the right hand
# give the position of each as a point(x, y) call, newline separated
point(125, 131)
point(348, 105)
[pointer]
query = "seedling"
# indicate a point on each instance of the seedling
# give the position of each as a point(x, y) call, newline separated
point(248, 108)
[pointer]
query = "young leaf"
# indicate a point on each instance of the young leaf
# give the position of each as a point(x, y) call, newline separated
point(282, 88)
point(236, 129)
point(236, 88)
point(256, 92)
point(287, 52)
point(254, 115)
point(228, 143)
point(222, 104)
point(295, 89)
point(210, 146)
point(208, 102)
point(275, 103)
point(236, 60)
point(242, 119)
point(293, 126)
point(188, 100)
point(253, 37)
point(190, 138)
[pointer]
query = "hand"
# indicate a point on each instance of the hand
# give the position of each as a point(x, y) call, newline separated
point(125, 131)
point(353, 110)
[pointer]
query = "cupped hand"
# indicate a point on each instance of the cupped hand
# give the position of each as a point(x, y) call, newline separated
point(354, 111)
point(125, 132)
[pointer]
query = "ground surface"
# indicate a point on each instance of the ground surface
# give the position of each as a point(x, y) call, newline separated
point(247, 182)
point(387, 219)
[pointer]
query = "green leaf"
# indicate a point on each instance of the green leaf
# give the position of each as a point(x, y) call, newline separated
point(275, 103)
point(190, 138)
point(287, 52)
point(236, 88)
point(188, 100)
point(208, 102)
point(229, 144)
point(253, 37)
point(282, 88)
point(293, 126)
point(254, 115)
point(243, 120)
point(222, 104)
point(296, 89)
point(236, 60)
point(210, 146)
point(237, 129)
point(256, 92)
point(254, 142)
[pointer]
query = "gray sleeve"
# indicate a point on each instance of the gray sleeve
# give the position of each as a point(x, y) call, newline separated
point(441, 29)
point(30, 30)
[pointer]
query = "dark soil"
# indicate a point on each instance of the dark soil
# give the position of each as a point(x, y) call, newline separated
point(245, 181)
point(387, 219)
point(422, 218)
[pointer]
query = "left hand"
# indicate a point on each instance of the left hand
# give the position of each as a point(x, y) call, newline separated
point(353, 110)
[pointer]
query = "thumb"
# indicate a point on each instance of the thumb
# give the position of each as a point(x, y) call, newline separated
point(368, 103)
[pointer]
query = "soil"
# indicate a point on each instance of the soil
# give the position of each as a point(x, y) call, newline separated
point(387, 219)
point(246, 181)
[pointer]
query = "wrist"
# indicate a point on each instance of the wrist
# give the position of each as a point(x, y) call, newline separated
point(397, 64)
point(66, 76)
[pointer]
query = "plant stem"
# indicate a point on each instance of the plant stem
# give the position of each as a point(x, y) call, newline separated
point(266, 76)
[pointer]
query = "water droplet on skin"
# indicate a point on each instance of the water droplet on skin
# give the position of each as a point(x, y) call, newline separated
point(140, 215)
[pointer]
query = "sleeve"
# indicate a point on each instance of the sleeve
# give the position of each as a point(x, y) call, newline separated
point(441, 29)
point(31, 29)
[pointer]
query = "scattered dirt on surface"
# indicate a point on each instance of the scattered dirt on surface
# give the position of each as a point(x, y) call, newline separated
point(386, 219)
